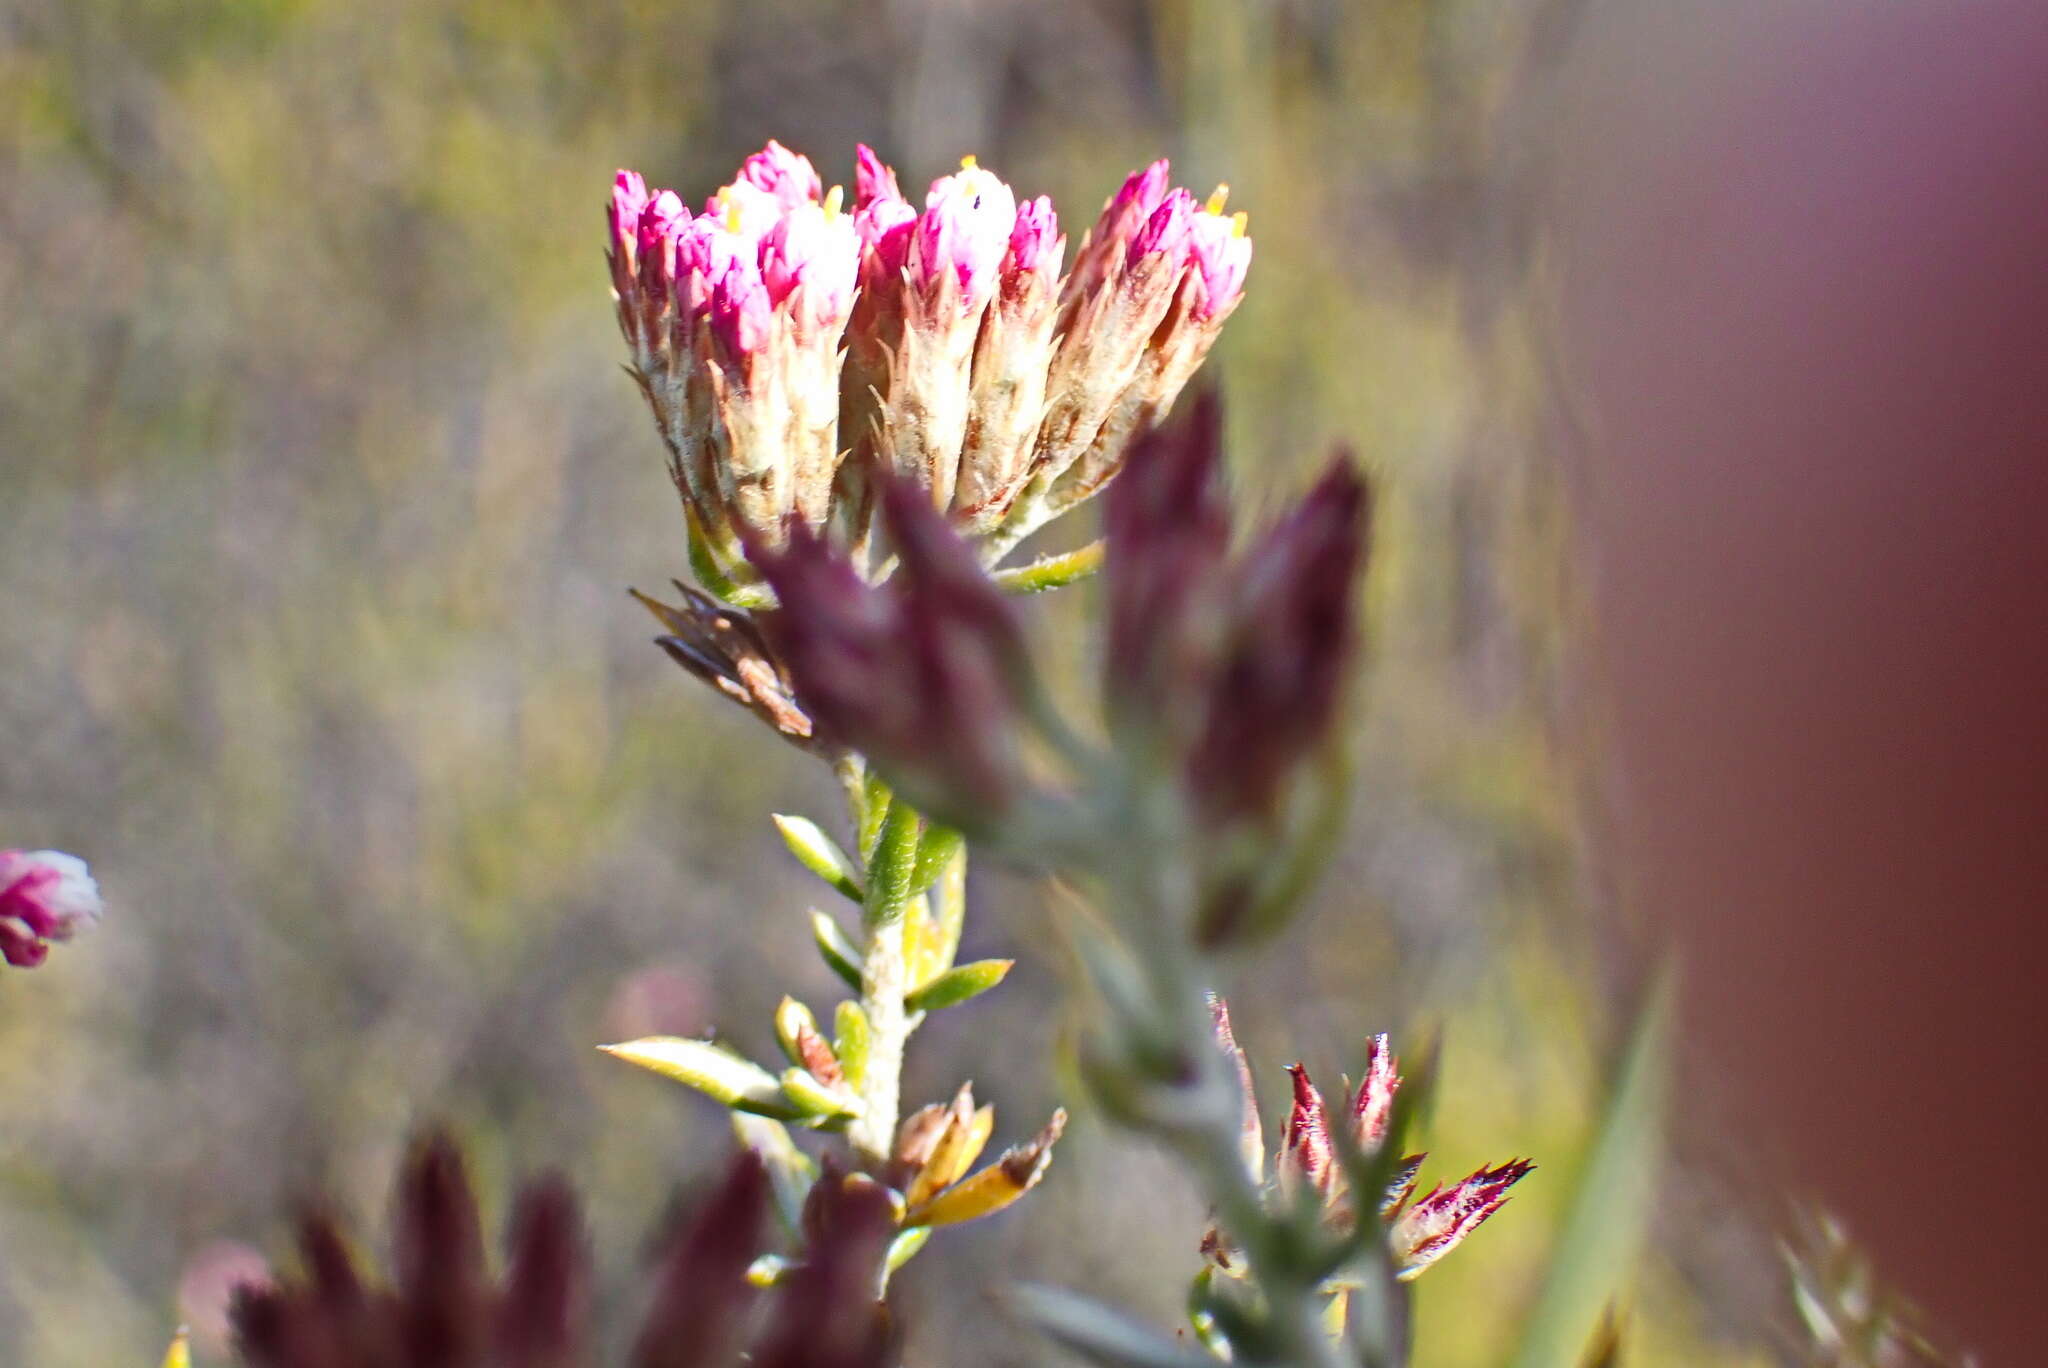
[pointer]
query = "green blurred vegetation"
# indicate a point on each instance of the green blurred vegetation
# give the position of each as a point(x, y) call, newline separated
point(322, 488)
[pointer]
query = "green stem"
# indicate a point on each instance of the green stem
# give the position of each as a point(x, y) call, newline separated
point(884, 977)
point(1206, 1137)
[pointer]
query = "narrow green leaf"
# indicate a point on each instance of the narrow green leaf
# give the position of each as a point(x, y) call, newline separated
point(838, 951)
point(711, 1069)
point(949, 908)
point(1609, 1217)
point(906, 1245)
point(851, 1037)
point(813, 1099)
point(958, 984)
point(819, 853)
point(892, 867)
point(1099, 1334)
point(1052, 572)
point(935, 850)
point(874, 808)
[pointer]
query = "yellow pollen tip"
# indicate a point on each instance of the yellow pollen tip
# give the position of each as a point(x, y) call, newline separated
point(834, 197)
point(968, 163)
point(1238, 221)
point(1218, 198)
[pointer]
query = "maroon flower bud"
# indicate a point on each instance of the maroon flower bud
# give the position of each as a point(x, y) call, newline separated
point(1168, 525)
point(1437, 1223)
point(1287, 643)
point(1307, 1158)
point(1375, 1105)
point(927, 675)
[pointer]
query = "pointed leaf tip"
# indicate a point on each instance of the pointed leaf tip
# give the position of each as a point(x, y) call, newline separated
point(958, 984)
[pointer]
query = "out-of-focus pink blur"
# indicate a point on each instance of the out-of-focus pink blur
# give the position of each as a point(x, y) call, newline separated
point(1804, 251)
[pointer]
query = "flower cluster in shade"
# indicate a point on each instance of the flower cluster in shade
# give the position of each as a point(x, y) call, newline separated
point(1223, 669)
point(789, 343)
point(1307, 1163)
point(45, 896)
point(444, 1308)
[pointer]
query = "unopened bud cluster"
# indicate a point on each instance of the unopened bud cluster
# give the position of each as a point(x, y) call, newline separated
point(790, 343)
point(1308, 1165)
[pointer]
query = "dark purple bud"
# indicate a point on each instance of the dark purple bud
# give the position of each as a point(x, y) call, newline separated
point(1306, 1155)
point(1288, 641)
point(701, 1301)
point(927, 676)
point(1168, 525)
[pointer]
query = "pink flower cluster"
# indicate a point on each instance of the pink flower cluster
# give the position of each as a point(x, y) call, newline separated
point(1419, 1230)
point(776, 334)
point(45, 896)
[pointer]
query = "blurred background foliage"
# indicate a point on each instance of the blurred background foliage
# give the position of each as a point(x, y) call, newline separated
point(322, 488)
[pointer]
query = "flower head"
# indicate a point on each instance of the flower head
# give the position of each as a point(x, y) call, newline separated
point(787, 347)
point(45, 896)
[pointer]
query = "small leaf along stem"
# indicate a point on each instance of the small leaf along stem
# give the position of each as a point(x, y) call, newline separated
point(1052, 572)
point(891, 861)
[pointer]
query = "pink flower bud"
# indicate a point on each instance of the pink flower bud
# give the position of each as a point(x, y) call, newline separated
point(1375, 1105)
point(1437, 1223)
point(786, 175)
point(1167, 230)
point(1289, 638)
point(872, 178)
point(629, 197)
point(1127, 211)
point(818, 251)
point(45, 895)
point(1035, 240)
point(660, 221)
point(705, 252)
point(1221, 254)
point(741, 314)
point(965, 230)
point(884, 228)
point(1139, 195)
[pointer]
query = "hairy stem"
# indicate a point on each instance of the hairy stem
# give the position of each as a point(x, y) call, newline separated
point(885, 973)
